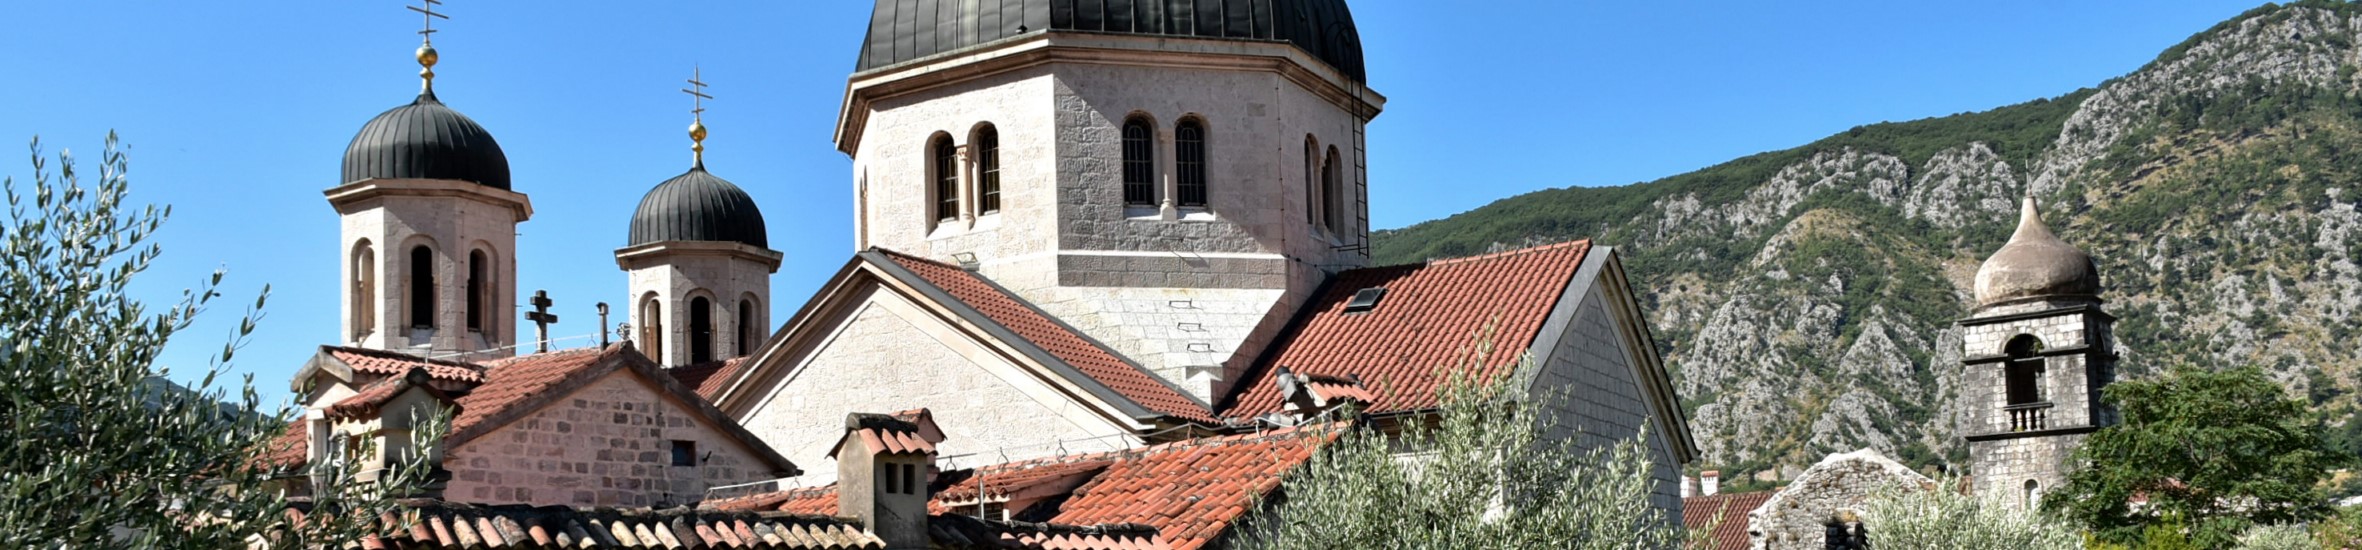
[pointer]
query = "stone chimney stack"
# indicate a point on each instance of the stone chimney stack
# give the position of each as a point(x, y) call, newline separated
point(882, 478)
point(1689, 487)
point(1709, 483)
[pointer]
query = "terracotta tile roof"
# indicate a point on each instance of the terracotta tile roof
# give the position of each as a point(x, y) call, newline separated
point(513, 382)
point(434, 524)
point(958, 531)
point(391, 363)
point(374, 396)
point(1432, 317)
point(999, 482)
point(710, 377)
point(1058, 340)
point(290, 450)
point(883, 434)
point(1730, 530)
point(1191, 492)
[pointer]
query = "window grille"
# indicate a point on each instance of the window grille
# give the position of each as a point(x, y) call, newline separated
point(1189, 162)
point(1139, 164)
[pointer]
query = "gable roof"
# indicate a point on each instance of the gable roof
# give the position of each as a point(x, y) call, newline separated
point(373, 397)
point(981, 300)
point(708, 378)
point(346, 362)
point(515, 387)
point(1433, 315)
point(1726, 513)
point(1191, 491)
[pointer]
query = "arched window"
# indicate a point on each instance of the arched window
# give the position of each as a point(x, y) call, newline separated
point(748, 331)
point(477, 286)
point(364, 290)
point(2025, 370)
point(1311, 181)
point(701, 330)
point(1332, 193)
point(2032, 496)
point(422, 287)
point(1189, 162)
point(1139, 163)
point(947, 178)
point(652, 327)
point(988, 170)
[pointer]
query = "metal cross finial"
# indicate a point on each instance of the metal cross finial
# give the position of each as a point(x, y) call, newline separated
point(427, 32)
point(697, 95)
point(541, 318)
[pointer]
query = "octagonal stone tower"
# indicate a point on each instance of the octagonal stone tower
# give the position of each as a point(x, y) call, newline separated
point(1172, 178)
point(429, 233)
point(2039, 349)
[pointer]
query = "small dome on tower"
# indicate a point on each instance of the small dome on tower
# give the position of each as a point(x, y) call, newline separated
point(900, 31)
point(426, 140)
point(697, 206)
point(2036, 264)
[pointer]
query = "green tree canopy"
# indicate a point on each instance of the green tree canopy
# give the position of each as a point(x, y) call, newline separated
point(2215, 451)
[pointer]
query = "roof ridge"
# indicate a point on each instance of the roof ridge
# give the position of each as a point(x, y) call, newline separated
point(1505, 253)
point(391, 354)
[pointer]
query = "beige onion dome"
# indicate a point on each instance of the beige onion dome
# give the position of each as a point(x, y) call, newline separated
point(2036, 265)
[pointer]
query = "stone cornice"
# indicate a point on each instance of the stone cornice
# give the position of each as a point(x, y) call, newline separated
point(2071, 430)
point(352, 197)
point(635, 257)
point(1020, 52)
point(2091, 309)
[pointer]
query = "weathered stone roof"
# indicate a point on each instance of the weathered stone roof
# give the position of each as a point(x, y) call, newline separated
point(2035, 265)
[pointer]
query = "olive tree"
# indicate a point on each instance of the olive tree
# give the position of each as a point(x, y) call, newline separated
point(99, 449)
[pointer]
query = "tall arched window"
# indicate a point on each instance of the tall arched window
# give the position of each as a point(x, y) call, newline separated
point(1189, 162)
point(1139, 163)
point(2025, 370)
point(947, 178)
point(748, 332)
point(477, 285)
point(364, 290)
point(1332, 200)
point(701, 330)
point(2032, 496)
point(988, 170)
point(652, 327)
point(422, 287)
point(1311, 181)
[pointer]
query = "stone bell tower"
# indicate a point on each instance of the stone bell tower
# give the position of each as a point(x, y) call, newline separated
point(429, 232)
point(2039, 349)
point(700, 263)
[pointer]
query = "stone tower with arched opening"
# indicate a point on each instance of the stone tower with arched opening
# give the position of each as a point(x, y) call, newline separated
point(2039, 349)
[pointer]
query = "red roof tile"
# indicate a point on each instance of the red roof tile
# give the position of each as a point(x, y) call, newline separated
point(1056, 339)
point(376, 394)
point(1432, 317)
point(287, 451)
point(1058, 474)
point(710, 377)
point(1726, 513)
point(509, 383)
point(391, 363)
point(1192, 491)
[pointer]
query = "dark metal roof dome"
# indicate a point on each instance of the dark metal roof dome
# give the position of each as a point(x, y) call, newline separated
point(425, 140)
point(697, 206)
point(903, 30)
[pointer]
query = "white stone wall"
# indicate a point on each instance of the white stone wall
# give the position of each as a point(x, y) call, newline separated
point(888, 355)
point(608, 444)
point(1797, 517)
point(1588, 380)
point(675, 279)
point(452, 226)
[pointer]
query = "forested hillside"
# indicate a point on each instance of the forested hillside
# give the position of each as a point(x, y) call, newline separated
point(1806, 297)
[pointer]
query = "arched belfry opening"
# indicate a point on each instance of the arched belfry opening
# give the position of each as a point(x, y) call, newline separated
point(364, 291)
point(701, 330)
point(422, 287)
point(652, 325)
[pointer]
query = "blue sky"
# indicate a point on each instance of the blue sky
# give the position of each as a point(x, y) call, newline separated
point(237, 114)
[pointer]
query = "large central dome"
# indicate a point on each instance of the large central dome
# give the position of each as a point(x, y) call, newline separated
point(903, 30)
point(425, 140)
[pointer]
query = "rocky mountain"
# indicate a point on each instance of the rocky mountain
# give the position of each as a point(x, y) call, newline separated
point(1806, 297)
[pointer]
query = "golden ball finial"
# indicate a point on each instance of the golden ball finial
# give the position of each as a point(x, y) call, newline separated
point(697, 131)
point(427, 56)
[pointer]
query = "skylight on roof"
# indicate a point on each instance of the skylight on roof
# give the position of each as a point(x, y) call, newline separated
point(1365, 300)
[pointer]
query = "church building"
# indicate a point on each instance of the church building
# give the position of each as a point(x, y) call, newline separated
point(1092, 241)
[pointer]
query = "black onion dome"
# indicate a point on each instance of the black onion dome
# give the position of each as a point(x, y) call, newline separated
point(903, 30)
point(698, 207)
point(425, 140)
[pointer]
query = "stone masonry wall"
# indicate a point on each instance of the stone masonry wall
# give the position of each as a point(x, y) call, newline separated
point(1589, 384)
point(608, 444)
point(724, 280)
point(2002, 467)
point(1796, 517)
point(890, 356)
point(451, 227)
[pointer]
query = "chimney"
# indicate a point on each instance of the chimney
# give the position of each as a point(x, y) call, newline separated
point(882, 467)
point(1689, 487)
point(1709, 483)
